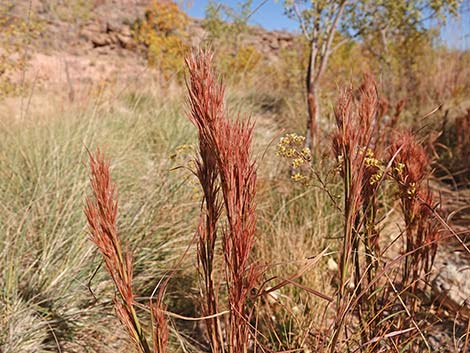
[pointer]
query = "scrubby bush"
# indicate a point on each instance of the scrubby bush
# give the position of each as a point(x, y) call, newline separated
point(163, 32)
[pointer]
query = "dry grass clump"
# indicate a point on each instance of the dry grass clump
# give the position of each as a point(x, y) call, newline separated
point(371, 279)
point(47, 263)
point(225, 163)
point(379, 293)
point(356, 150)
point(22, 329)
point(370, 287)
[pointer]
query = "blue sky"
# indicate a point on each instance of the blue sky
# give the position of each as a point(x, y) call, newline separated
point(271, 16)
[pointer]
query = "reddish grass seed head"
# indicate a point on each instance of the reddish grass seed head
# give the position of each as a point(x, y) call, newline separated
point(411, 164)
point(101, 214)
point(206, 110)
point(229, 145)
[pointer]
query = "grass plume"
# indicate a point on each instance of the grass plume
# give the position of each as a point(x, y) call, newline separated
point(101, 212)
point(225, 152)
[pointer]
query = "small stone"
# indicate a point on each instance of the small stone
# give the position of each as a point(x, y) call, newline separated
point(332, 265)
point(273, 297)
point(451, 284)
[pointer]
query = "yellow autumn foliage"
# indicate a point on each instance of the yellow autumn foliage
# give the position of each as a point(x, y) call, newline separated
point(16, 34)
point(163, 32)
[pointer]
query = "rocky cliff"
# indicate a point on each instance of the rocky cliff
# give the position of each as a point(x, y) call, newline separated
point(83, 45)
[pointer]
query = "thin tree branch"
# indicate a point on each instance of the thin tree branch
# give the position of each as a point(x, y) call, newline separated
point(301, 21)
point(326, 46)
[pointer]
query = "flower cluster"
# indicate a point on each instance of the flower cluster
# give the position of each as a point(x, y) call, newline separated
point(292, 147)
point(374, 166)
point(370, 160)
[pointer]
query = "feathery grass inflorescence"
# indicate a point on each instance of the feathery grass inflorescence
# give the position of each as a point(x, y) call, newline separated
point(225, 151)
point(355, 147)
point(359, 148)
point(238, 183)
point(159, 322)
point(101, 213)
point(206, 102)
point(411, 168)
